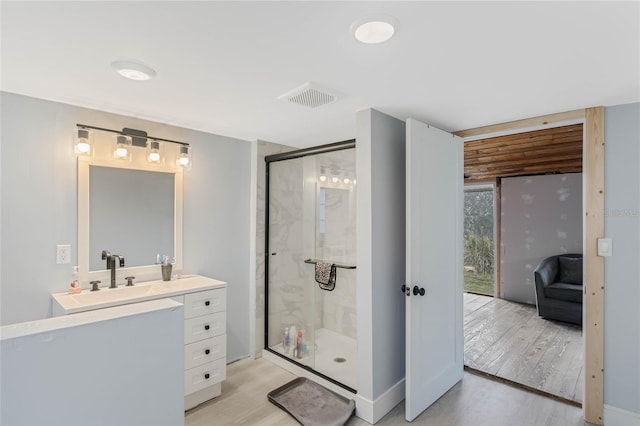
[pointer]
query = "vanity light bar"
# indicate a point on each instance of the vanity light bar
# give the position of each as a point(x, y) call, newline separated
point(138, 137)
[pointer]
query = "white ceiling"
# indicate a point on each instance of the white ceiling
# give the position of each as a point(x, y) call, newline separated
point(222, 65)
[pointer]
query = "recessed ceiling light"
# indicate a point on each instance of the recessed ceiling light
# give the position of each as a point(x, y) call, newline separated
point(374, 29)
point(133, 70)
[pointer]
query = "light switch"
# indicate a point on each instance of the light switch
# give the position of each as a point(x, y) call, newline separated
point(605, 247)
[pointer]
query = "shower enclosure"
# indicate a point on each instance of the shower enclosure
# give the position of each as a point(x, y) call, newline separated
point(310, 218)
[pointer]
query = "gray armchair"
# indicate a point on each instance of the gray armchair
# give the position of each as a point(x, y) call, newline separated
point(558, 287)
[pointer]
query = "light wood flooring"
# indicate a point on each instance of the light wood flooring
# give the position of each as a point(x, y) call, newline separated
point(475, 401)
point(509, 340)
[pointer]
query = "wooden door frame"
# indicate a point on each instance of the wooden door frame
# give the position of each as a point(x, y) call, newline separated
point(593, 228)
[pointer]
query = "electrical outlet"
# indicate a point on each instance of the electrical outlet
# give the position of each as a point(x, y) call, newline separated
point(63, 254)
point(605, 247)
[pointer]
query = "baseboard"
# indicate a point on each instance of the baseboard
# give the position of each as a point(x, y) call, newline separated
point(614, 416)
point(373, 411)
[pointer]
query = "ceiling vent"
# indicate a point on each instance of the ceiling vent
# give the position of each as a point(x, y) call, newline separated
point(309, 95)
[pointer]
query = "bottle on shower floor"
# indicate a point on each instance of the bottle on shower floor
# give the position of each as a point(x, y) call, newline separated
point(285, 341)
point(293, 334)
point(299, 345)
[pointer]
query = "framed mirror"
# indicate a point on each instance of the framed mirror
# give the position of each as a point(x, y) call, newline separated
point(133, 209)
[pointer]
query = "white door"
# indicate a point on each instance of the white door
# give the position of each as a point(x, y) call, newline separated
point(434, 344)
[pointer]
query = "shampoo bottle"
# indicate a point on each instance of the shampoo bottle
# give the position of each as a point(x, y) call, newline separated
point(299, 345)
point(293, 334)
point(285, 341)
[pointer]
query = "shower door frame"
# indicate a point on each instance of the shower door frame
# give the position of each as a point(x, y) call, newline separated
point(290, 155)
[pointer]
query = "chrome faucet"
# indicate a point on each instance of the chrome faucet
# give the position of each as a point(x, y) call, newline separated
point(111, 265)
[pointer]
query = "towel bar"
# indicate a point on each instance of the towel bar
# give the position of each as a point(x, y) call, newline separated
point(314, 261)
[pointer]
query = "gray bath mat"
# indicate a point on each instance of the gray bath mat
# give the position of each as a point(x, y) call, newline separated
point(311, 404)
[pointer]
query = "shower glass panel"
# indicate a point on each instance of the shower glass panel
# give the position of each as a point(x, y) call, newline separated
point(311, 217)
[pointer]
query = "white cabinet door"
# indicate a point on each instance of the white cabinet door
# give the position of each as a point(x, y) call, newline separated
point(434, 344)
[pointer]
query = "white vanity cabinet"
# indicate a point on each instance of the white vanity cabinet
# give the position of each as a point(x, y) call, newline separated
point(205, 344)
point(205, 324)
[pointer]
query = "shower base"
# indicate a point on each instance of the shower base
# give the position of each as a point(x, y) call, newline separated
point(336, 357)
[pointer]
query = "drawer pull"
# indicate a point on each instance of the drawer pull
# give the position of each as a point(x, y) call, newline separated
point(206, 327)
point(206, 376)
point(207, 351)
point(207, 303)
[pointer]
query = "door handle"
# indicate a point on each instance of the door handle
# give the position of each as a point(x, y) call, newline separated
point(418, 291)
point(406, 289)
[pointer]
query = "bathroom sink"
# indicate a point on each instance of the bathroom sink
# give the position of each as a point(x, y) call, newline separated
point(64, 303)
point(113, 294)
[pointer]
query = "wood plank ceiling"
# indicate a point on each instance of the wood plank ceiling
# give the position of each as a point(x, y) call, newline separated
point(555, 150)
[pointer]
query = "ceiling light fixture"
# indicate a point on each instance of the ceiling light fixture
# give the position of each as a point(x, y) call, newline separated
point(374, 29)
point(133, 70)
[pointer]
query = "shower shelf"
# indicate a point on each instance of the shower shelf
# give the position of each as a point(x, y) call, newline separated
point(314, 261)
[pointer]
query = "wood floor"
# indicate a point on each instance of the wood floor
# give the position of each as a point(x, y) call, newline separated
point(510, 341)
point(475, 401)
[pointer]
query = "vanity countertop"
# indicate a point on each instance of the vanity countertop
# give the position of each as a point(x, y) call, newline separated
point(64, 303)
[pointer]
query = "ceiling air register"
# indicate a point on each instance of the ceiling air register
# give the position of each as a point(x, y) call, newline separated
point(309, 95)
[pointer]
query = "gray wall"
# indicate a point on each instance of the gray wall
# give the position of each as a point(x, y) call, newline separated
point(541, 217)
point(380, 233)
point(622, 270)
point(39, 208)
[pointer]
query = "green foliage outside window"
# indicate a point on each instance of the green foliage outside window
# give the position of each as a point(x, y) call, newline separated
point(478, 241)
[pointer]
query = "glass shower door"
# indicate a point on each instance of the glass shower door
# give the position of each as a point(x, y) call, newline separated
point(310, 219)
point(291, 307)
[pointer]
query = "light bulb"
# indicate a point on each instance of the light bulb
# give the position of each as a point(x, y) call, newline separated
point(153, 155)
point(346, 180)
point(82, 142)
point(334, 179)
point(184, 161)
point(121, 152)
point(122, 147)
point(83, 146)
point(184, 158)
point(323, 178)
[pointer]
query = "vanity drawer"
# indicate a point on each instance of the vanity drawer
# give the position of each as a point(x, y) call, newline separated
point(204, 351)
point(205, 302)
point(204, 375)
point(204, 327)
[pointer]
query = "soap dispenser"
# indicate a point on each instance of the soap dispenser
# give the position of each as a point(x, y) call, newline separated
point(74, 285)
